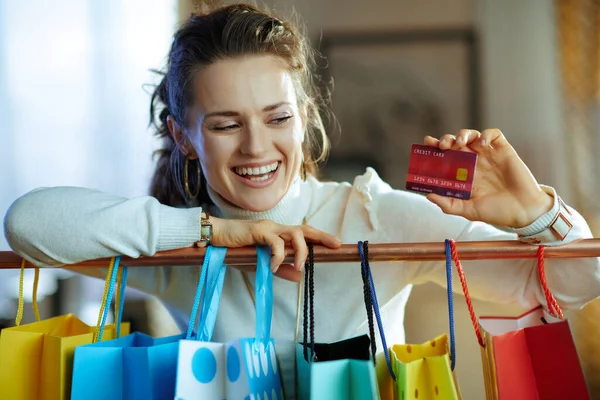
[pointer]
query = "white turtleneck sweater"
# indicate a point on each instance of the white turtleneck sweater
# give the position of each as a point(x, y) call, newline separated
point(55, 226)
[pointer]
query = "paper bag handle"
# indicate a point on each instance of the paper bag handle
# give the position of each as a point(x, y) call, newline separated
point(36, 310)
point(211, 282)
point(448, 247)
point(553, 307)
point(109, 287)
point(552, 304)
point(363, 250)
point(215, 279)
point(263, 293)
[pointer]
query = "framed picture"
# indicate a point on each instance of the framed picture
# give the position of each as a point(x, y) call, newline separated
point(393, 88)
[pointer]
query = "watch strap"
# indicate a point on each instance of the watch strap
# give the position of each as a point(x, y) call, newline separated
point(206, 230)
point(552, 226)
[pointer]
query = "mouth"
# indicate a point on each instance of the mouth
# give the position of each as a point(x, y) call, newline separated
point(257, 174)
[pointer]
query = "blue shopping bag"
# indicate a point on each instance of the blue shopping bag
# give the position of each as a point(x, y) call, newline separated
point(137, 366)
point(242, 369)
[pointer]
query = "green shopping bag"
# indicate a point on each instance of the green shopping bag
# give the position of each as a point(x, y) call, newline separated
point(343, 370)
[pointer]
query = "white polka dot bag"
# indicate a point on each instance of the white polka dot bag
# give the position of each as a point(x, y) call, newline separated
point(243, 369)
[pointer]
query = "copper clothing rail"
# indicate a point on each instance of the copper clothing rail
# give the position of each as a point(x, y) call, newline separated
point(393, 252)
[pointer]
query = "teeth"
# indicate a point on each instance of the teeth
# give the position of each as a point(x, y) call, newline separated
point(258, 171)
point(259, 178)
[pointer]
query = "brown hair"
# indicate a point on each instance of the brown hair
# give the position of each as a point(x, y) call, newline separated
point(230, 31)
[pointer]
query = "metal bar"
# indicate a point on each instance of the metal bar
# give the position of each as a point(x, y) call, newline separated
point(388, 252)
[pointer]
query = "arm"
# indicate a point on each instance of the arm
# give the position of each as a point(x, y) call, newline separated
point(51, 227)
point(574, 282)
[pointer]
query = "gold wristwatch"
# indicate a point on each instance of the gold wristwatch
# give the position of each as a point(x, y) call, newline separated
point(206, 230)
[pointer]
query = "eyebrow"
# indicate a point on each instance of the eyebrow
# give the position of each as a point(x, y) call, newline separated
point(235, 113)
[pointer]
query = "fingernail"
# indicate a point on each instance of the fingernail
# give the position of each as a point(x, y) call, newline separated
point(302, 267)
point(460, 140)
point(484, 142)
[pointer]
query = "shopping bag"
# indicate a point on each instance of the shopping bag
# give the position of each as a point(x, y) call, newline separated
point(529, 357)
point(136, 366)
point(336, 371)
point(343, 370)
point(36, 359)
point(422, 370)
point(240, 369)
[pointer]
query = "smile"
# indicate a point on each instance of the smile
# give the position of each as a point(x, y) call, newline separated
point(257, 174)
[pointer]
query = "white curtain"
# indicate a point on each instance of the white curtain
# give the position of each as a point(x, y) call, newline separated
point(73, 106)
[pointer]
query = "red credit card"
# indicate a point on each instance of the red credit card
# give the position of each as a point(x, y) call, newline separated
point(445, 172)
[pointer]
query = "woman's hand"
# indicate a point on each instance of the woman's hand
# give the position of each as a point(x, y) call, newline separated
point(504, 191)
point(238, 233)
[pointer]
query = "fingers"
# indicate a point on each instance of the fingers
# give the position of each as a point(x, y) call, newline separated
point(431, 141)
point(317, 236)
point(448, 205)
point(277, 245)
point(276, 236)
point(466, 137)
point(447, 142)
point(296, 237)
point(289, 273)
point(463, 139)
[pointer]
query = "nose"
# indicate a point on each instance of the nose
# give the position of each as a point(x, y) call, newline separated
point(256, 140)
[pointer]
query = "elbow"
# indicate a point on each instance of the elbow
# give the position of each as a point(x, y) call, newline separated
point(21, 225)
point(17, 223)
point(583, 287)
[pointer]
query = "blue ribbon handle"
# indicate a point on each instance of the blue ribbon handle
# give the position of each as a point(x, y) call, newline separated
point(211, 282)
point(376, 310)
point(122, 299)
point(212, 294)
point(450, 303)
point(197, 297)
point(111, 289)
point(263, 294)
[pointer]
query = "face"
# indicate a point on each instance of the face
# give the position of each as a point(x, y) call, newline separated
point(247, 130)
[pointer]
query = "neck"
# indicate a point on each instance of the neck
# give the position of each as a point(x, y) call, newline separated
point(290, 210)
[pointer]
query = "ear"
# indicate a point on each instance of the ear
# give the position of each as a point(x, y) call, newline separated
point(180, 139)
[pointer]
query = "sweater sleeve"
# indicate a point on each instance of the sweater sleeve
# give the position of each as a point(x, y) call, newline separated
point(399, 216)
point(51, 227)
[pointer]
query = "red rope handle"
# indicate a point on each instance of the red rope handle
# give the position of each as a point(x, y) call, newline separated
point(463, 282)
point(553, 307)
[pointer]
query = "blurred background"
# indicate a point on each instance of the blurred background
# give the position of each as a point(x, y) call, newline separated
point(74, 97)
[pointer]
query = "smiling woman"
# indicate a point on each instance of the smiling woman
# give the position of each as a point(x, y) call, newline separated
point(251, 151)
point(239, 115)
point(245, 99)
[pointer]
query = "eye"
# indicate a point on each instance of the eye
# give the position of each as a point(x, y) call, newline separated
point(280, 120)
point(225, 127)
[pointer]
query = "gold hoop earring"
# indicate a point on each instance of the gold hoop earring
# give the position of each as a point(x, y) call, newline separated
point(186, 184)
point(303, 170)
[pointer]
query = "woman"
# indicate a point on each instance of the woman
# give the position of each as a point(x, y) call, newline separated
point(239, 114)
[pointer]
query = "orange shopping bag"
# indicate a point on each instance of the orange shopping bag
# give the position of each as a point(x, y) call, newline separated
point(36, 359)
point(529, 357)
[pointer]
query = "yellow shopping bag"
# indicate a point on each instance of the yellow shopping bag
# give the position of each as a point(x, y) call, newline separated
point(36, 359)
point(422, 371)
point(426, 370)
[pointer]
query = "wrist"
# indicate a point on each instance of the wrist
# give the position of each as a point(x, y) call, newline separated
point(551, 226)
point(543, 205)
point(206, 229)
